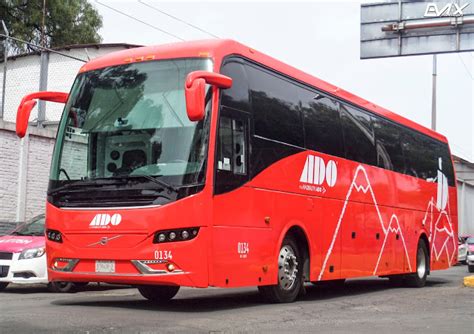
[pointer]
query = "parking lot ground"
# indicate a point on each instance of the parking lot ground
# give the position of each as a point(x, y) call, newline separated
point(361, 306)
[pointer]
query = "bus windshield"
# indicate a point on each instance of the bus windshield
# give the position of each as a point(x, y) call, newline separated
point(130, 121)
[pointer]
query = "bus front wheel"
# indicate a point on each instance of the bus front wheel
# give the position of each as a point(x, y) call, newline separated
point(290, 275)
point(158, 293)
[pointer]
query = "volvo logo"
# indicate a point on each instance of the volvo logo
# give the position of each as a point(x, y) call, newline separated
point(103, 241)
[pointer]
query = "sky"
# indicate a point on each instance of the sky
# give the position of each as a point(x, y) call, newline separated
point(321, 38)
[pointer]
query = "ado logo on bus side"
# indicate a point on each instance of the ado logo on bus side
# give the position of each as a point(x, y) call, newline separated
point(316, 174)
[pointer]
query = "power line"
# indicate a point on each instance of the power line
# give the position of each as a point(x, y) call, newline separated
point(138, 20)
point(460, 149)
point(178, 19)
point(42, 47)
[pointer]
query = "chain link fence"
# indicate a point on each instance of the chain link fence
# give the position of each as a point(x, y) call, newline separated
point(39, 70)
point(44, 69)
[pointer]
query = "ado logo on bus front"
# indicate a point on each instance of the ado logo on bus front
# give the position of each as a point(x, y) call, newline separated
point(104, 220)
point(316, 174)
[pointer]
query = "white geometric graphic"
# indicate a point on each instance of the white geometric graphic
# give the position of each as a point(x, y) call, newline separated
point(437, 228)
point(442, 196)
point(394, 225)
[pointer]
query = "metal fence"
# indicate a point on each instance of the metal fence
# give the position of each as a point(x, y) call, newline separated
point(42, 69)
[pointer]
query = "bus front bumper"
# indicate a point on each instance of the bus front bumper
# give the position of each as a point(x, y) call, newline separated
point(174, 263)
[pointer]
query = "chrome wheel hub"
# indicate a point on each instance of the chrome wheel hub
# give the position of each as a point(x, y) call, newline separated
point(287, 268)
point(421, 261)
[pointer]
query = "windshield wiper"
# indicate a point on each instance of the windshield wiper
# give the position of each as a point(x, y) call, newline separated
point(157, 181)
point(81, 183)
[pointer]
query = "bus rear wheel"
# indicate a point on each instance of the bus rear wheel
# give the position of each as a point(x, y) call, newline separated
point(418, 279)
point(158, 293)
point(290, 275)
point(3, 285)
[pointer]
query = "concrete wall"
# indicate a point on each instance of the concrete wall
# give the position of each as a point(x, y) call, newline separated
point(466, 214)
point(23, 185)
point(465, 176)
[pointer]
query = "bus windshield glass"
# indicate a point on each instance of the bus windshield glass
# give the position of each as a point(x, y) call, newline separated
point(130, 122)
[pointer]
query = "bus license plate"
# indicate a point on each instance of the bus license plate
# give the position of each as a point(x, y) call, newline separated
point(104, 266)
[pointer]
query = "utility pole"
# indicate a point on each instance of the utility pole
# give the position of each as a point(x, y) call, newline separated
point(433, 95)
point(43, 33)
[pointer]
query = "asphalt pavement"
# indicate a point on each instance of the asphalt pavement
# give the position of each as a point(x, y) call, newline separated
point(361, 306)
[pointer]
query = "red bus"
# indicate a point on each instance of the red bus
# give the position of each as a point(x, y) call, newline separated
point(209, 163)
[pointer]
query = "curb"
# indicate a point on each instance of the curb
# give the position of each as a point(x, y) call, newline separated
point(469, 281)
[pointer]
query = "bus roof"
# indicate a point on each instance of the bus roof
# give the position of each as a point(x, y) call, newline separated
point(220, 48)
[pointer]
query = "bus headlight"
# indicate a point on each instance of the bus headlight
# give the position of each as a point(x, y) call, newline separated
point(54, 235)
point(32, 253)
point(179, 234)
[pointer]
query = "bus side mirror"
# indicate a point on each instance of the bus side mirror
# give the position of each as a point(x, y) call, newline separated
point(28, 103)
point(195, 91)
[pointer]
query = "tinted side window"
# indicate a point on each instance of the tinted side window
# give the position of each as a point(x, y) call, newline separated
point(387, 144)
point(322, 124)
point(420, 154)
point(274, 102)
point(359, 139)
point(236, 96)
point(232, 150)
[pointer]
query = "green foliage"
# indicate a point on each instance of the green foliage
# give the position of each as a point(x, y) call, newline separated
point(67, 22)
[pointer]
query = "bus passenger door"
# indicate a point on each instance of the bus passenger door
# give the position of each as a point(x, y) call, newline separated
point(240, 241)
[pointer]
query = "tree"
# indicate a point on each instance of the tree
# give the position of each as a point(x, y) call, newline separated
point(66, 22)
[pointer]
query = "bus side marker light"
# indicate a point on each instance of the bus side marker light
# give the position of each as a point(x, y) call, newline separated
point(267, 220)
point(170, 267)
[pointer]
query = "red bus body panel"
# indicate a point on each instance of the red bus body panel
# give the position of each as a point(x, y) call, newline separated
point(364, 221)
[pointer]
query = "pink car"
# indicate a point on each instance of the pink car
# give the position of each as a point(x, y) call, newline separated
point(23, 259)
point(470, 254)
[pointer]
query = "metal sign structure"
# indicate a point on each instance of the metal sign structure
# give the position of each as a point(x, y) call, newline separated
point(403, 28)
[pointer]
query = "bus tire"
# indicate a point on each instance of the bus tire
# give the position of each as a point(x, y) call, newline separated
point(290, 275)
point(418, 279)
point(158, 293)
point(3, 285)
